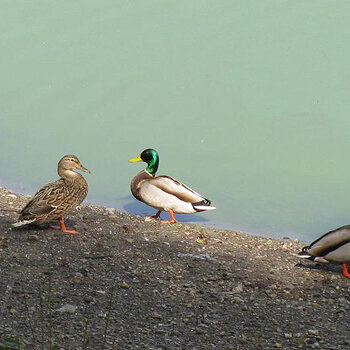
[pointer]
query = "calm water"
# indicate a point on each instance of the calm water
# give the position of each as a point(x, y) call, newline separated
point(246, 101)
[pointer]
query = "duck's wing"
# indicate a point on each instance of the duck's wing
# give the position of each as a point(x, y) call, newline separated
point(176, 188)
point(46, 200)
point(329, 242)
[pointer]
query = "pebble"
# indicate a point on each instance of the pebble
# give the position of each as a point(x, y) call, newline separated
point(313, 332)
point(156, 315)
point(33, 238)
point(238, 288)
point(124, 285)
point(238, 299)
point(68, 308)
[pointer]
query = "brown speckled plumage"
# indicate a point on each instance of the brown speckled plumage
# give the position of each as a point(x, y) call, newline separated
point(56, 199)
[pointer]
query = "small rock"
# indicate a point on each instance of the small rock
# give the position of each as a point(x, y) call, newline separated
point(313, 332)
point(238, 288)
point(67, 308)
point(156, 315)
point(238, 299)
point(289, 287)
point(124, 285)
point(33, 238)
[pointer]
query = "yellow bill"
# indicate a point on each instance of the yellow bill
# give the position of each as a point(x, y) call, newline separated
point(136, 159)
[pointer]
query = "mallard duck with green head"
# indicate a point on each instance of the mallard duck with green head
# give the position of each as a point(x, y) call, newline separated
point(56, 199)
point(163, 192)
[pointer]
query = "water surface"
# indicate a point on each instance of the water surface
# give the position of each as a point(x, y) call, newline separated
point(246, 101)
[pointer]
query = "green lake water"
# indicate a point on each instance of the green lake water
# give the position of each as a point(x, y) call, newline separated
point(246, 101)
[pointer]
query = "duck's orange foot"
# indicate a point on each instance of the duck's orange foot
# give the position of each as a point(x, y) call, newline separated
point(65, 230)
point(345, 270)
point(172, 218)
point(168, 222)
point(71, 232)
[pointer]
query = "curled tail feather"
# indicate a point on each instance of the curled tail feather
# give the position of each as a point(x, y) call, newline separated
point(203, 205)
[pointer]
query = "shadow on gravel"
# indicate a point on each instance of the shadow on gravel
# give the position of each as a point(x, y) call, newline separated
point(320, 267)
point(124, 283)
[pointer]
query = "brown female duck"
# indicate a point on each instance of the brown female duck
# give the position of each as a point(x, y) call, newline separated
point(56, 199)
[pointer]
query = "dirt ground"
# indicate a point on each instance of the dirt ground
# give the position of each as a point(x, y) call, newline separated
point(128, 283)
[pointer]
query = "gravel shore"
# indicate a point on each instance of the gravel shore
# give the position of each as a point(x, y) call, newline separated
point(128, 283)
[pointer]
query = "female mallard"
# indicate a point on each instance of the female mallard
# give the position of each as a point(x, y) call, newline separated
point(57, 198)
point(164, 192)
point(332, 247)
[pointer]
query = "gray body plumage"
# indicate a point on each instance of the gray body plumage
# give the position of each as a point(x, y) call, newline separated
point(332, 247)
point(166, 193)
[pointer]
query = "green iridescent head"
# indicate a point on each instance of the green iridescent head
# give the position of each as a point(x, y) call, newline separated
point(150, 156)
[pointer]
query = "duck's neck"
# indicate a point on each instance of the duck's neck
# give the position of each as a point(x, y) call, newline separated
point(68, 175)
point(152, 165)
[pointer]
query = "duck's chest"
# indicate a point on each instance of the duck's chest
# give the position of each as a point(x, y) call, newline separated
point(137, 183)
point(76, 192)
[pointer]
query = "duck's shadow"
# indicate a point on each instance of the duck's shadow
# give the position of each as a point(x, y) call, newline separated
point(31, 227)
point(45, 227)
point(320, 267)
point(138, 208)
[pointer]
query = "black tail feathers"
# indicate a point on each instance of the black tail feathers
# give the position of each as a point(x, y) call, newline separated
point(205, 202)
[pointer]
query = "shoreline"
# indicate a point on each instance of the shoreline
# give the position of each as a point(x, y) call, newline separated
point(128, 283)
point(211, 225)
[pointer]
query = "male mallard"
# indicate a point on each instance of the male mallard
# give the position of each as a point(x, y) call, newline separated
point(164, 192)
point(332, 247)
point(57, 198)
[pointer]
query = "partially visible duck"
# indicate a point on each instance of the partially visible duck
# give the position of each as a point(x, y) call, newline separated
point(164, 192)
point(332, 247)
point(56, 199)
